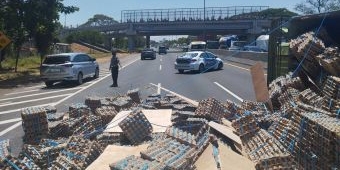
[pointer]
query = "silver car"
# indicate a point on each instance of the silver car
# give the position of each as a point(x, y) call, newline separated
point(200, 61)
point(68, 67)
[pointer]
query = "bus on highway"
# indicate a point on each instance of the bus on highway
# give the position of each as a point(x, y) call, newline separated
point(197, 46)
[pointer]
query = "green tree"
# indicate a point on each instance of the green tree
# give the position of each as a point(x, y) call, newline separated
point(91, 37)
point(183, 40)
point(268, 13)
point(317, 6)
point(42, 21)
point(14, 25)
point(120, 42)
point(99, 20)
point(277, 12)
point(3, 7)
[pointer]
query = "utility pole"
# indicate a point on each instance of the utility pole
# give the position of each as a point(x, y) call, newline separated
point(204, 31)
point(204, 11)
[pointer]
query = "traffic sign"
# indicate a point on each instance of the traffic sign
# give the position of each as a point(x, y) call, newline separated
point(4, 40)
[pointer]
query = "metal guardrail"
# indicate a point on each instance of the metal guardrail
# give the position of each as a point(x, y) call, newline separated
point(191, 14)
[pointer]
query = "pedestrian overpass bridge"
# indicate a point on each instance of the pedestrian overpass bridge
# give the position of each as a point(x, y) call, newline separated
point(240, 20)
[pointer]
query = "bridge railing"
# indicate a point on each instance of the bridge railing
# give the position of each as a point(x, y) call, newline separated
point(191, 14)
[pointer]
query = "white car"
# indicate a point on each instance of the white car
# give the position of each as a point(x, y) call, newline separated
point(200, 61)
point(68, 67)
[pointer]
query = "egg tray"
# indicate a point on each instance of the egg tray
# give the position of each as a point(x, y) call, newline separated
point(245, 126)
point(4, 148)
point(134, 162)
point(10, 163)
point(134, 95)
point(93, 103)
point(78, 110)
point(212, 109)
point(136, 127)
point(107, 113)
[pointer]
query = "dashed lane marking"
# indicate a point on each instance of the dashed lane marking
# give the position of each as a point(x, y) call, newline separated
point(183, 97)
point(230, 92)
point(159, 88)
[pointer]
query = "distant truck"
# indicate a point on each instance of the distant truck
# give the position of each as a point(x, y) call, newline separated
point(237, 45)
point(197, 46)
point(225, 41)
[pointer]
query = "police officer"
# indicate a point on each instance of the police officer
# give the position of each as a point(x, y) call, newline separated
point(114, 67)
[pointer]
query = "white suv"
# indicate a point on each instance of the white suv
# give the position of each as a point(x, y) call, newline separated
point(68, 67)
point(200, 61)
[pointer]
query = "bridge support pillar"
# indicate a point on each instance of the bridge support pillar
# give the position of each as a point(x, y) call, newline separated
point(147, 41)
point(131, 43)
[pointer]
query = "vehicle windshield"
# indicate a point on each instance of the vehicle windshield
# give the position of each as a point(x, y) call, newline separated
point(189, 55)
point(198, 46)
point(163, 48)
point(57, 59)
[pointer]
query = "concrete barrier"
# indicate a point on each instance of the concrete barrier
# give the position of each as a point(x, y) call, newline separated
point(256, 56)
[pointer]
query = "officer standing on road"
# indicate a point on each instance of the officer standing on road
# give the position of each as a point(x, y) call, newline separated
point(114, 67)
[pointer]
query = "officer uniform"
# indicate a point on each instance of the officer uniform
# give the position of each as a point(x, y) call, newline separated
point(114, 67)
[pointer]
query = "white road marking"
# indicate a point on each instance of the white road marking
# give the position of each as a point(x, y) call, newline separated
point(10, 121)
point(231, 93)
point(10, 128)
point(17, 110)
point(180, 96)
point(159, 88)
point(75, 93)
point(38, 94)
point(238, 67)
point(21, 92)
point(160, 67)
point(34, 100)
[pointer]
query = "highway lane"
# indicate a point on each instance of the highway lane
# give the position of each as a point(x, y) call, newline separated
point(142, 74)
point(13, 100)
point(135, 74)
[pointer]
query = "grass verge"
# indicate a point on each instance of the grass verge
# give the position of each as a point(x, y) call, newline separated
point(27, 71)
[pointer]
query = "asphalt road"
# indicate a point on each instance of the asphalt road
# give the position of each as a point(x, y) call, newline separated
point(233, 83)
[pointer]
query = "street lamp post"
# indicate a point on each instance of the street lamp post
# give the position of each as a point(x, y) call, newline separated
point(204, 31)
point(204, 11)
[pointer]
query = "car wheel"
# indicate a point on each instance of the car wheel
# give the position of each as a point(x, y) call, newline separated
point(181, 71)
point(96, 74)
point(142, 58)
point(80, 79)
point(201, 68)
point(49, 83)
point(220, 66)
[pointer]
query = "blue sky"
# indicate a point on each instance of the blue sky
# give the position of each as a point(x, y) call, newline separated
point(113, 8)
